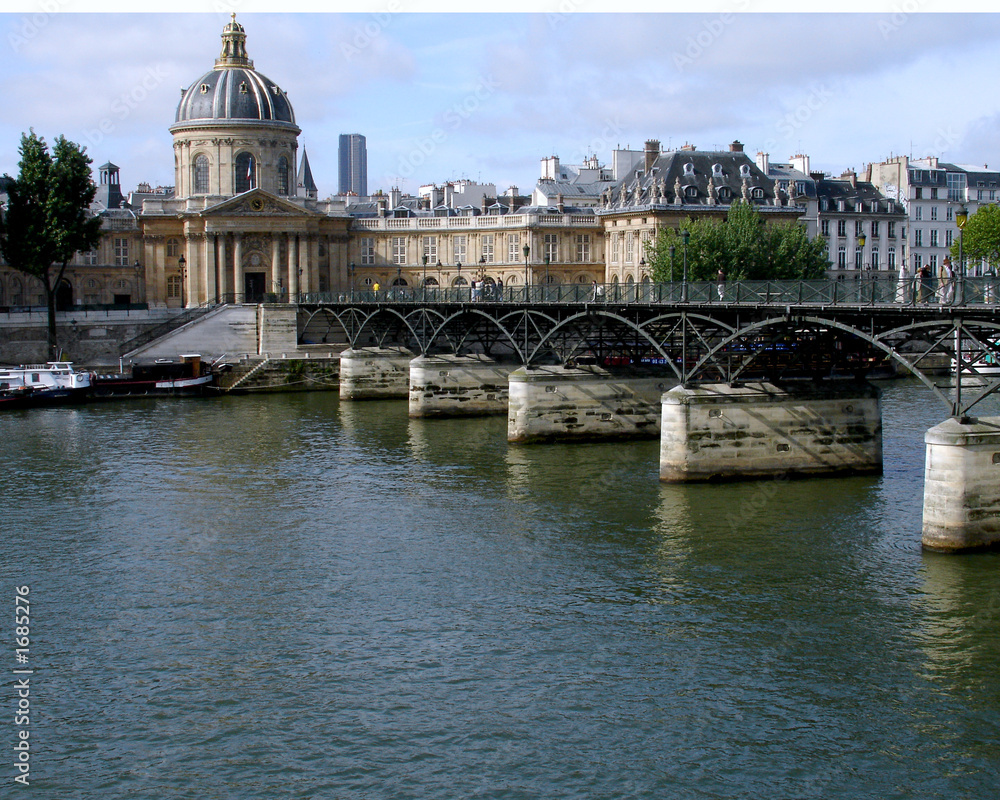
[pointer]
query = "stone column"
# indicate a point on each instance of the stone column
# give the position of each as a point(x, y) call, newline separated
point(238, 288)
point(211, 278)
point(276, 271)
point(962, 485)
point(293, 266)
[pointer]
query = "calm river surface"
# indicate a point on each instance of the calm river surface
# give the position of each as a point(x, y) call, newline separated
point(294, 597)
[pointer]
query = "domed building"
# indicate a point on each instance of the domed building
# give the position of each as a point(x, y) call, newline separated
point(239, 227)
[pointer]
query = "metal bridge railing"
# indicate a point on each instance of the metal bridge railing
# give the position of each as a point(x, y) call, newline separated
point(864, 292)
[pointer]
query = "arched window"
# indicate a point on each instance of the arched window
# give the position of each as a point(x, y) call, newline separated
point(245, 177)
point(201, 175)
point(283, 175)
point(757, 194)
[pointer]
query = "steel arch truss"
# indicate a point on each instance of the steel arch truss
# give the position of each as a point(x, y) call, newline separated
point(955, 354)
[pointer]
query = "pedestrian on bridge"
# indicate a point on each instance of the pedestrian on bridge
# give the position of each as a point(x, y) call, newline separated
point(947, 282)
point(924, 283)
point(720, 284)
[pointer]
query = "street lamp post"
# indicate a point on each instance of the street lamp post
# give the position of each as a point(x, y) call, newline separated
point(423, 284)
point(673, 251)
point(182, 263)
point(861, 264)
point(526, 250)
point(350, 268)
point(685, 237)
point(138, 296)
point(458, 280)
point(961, 217)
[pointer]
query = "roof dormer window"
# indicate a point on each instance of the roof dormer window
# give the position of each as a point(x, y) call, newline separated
point(744, 170)
point(244, 88)
point(689, 168)
point(691, 191)
point(204, 88)
point(275, 90)
point(716, 170)
point(725, 194)
point(757, 194)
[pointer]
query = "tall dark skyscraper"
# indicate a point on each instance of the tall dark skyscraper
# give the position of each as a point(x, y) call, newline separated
point(353, 158)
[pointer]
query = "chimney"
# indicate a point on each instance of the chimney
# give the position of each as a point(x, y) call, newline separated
point(483, 205)
point(394, 197)
point(688, 147)
point(736, 146)
point(652, 153)
point(801, 163)
point(381, 206)
point(764, 162)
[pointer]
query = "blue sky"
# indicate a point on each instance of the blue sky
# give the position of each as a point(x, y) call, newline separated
point(442, 95)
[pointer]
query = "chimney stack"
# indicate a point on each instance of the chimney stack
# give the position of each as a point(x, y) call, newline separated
point(736, 146)
point(652, 153)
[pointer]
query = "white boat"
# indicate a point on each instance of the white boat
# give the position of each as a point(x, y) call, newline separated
point(53, 383)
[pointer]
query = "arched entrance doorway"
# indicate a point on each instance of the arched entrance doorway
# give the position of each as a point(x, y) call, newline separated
point(64, 296)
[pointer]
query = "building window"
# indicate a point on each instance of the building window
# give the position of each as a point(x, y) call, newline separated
point(513, 247)
point(173, 287)
point(858, 255)
point(841, 227)
point(583, 247)
point(488, 248)
point(614, 248)
point(874, 258)
point(90, 258)
point(934, 238)
point(121, 252)
point(201, 169)
point(918, 213)
point(875, 227)
point(949, 214)
point(956, 186)
point(918, 237)
point(933, 264)
point(244, 178)
point(918, 193)
point(916, 262)
point(948, 238)
point(629, 247)
point(398, 249)
point(430, 249)
point(551, 251)
point(934, 194)
point(460, 245)
point(842, 257)
point(367, 250)
point(824, 227)
point(934, 213)
point(859, 228)
point(891, 232)
point(891, 258)
point(173, 248)
point(283, 175)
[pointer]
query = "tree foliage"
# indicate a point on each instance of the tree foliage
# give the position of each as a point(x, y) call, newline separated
point(47, 219)
point(742, 246)
point(981, 238)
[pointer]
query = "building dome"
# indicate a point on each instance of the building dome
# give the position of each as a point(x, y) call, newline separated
point(233, 91)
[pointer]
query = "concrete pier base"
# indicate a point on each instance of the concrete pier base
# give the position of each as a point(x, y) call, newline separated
point(374, 373)
point(583, 403)
point(277, 328)
point(457, 386)
point(962, 485)
point(754, 431)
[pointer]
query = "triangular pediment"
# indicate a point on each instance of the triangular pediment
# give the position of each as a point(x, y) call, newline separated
point(257, 203)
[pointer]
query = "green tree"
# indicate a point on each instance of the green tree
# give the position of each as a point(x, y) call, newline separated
point(742, 246)
point(47, 218)
point(981, 238)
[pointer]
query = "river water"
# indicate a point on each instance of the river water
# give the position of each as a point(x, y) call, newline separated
point(294, 597)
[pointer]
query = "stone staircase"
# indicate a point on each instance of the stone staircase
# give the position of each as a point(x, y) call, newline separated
point(241, 374)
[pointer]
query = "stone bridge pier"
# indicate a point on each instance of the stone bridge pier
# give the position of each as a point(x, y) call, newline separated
point(458, 386)
point(375, 373)
point(715, 432)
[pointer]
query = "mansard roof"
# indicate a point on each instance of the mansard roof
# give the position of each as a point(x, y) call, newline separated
point(683, 178)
